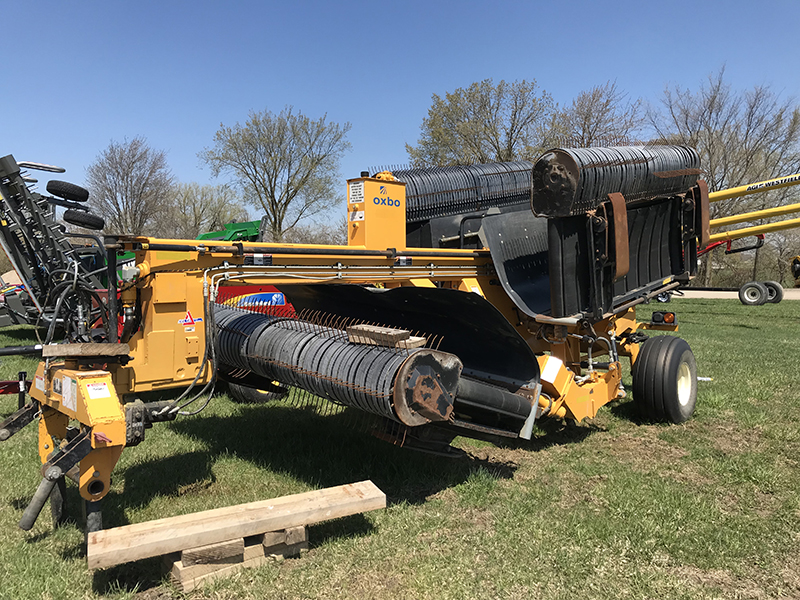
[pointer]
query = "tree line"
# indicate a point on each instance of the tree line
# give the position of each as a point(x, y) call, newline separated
point(286, 165)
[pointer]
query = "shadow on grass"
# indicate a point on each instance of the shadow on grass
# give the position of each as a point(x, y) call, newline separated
point(628, 411)
point(130, 577)
point(555, 433)
point(321, 451)
point(25, 334)
point(325, 451)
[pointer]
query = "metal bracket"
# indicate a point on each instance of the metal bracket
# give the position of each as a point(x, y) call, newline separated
point(527, 428)
point(18, 419)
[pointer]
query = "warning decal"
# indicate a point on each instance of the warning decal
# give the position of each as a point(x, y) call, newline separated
point(98, 390)
point(189, 320)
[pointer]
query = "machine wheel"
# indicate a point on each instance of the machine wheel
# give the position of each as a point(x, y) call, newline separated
point(753, 293)
point(665, 379)
point(67, 191)
point(84, 219)
point(248, 395)
point(774, 291)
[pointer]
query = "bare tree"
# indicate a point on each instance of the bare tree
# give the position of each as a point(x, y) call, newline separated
point(194, 209)
point(333, 232)
point(129, 185)
point(601, 116)
point(742, 137)
point(286, 164)
point(483, 123)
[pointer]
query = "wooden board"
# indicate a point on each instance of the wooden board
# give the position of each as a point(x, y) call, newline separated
point(373, 335)
point(111, 547)
point(258, 550)
point(231, 551)
point(70, 350)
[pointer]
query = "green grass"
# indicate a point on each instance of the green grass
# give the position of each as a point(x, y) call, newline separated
point(614, 508)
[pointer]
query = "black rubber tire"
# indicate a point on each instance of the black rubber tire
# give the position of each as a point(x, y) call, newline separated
point(248, 395)
point(774, 291)
point(665, 379)
point(67, 191)
point(84, 219)
point(753, 293)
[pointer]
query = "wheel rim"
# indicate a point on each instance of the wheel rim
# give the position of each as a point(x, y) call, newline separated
point(752, 294)
point(684, 384)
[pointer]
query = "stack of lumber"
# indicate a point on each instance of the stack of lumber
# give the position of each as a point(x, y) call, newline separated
point(216, 543)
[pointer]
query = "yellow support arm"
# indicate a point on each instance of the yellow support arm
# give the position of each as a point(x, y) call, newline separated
point(756, 230)
point(746, 190)
point(755, 215)
point(754, 188)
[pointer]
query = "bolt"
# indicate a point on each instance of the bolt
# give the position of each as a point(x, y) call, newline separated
point(53, 473)
point(47, 446)
point(96, 474)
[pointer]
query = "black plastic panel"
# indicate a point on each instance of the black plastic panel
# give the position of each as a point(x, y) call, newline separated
point(518, 243)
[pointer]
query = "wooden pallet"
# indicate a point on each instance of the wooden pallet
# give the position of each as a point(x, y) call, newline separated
point(217, 535)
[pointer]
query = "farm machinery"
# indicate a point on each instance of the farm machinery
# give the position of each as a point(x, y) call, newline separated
point(469, 301)
point(755, 292)
point(47, 259)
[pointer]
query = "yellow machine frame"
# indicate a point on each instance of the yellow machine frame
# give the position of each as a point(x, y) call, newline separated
point(173, 280)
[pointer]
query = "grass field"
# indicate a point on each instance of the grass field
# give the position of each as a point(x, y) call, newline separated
point(613, 508)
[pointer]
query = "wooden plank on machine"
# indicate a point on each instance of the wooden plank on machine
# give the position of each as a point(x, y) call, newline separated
point(88, 349)
point(111, 547)
point(373, 335)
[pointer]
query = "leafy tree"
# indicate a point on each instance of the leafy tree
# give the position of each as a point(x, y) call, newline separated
point(194, 209)
point(483, 123)
point(130, 185)
point(286, 164)
point(742, 137)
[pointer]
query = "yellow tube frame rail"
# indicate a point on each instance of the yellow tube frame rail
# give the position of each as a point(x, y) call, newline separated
point(755, 230)
point(754, 188)
point(746, 190)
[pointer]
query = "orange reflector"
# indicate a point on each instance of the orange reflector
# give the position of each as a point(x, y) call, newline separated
point(669, 317)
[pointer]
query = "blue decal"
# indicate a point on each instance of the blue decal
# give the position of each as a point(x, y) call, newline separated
point(264, 298)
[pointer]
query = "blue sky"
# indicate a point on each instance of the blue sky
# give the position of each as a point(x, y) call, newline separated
point(80, 74)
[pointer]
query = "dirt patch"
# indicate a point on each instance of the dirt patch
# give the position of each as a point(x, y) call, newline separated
point(731, 438)
point(730, 585)
point(499, 455)
point(790, 574)
point(643, 448)
point(156, 593)
point(582, 491)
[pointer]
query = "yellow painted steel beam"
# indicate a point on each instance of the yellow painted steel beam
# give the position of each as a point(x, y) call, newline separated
point(755, 215)
point(755, 188)
point(758, 229)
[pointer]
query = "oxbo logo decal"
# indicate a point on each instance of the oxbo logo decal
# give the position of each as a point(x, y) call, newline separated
point(385, 201)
